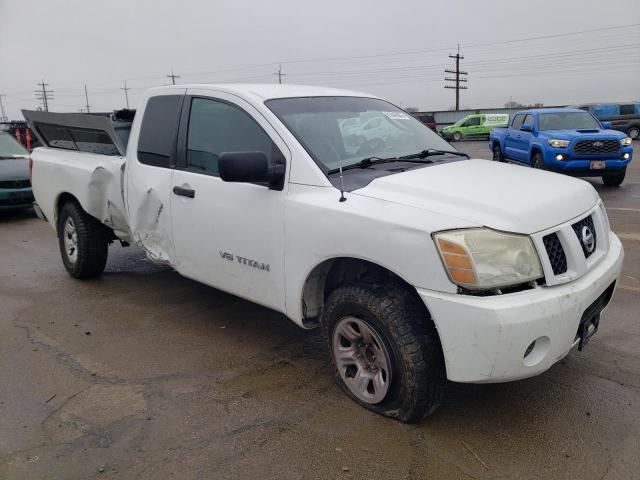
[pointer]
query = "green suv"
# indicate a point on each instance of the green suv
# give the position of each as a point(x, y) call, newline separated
point(474, 126)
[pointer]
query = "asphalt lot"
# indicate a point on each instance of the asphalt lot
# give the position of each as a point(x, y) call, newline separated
point(145, 374)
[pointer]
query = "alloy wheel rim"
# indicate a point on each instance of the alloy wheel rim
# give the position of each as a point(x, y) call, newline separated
point(362, 360)
point(70, 236)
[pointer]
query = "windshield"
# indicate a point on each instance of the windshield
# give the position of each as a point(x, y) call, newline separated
point(460, 122)
point(340, 131)
point(10, 147)
point(567, 121)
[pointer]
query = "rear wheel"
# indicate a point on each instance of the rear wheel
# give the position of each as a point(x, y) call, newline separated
point(84, 242)
point(457, 136)
point(537, 161)
point(497, 153)
point(385, 354)
point(634, 133)
point(614, 179)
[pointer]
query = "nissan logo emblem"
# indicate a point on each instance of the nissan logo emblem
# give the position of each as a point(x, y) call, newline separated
point(588, 240)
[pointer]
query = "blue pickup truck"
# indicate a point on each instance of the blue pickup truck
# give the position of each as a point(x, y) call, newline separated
point(564, 140)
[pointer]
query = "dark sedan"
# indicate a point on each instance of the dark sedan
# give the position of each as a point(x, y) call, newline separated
point(15, 187)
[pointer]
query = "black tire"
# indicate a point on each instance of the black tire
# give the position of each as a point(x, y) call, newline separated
point(456, 137)
point(402, 323)
point(91, 240)
point(614, 179)
point(634, 133)
point(497, 153)
point(537, 161)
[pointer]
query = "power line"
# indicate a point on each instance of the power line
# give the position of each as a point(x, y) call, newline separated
point(126, 93)
point(460, 77)
point(44, 95)
point(173, 77)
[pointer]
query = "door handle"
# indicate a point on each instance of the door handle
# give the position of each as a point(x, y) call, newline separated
point(184, 192)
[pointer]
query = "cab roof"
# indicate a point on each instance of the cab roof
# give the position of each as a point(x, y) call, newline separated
point(268, 91)
point(551, 110)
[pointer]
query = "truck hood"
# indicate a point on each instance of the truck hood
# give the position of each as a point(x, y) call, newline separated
point(586, 133)
point(14, 168)
point(496, 195)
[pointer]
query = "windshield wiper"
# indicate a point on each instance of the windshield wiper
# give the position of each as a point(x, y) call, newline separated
point(430, 152)
point(365, 162)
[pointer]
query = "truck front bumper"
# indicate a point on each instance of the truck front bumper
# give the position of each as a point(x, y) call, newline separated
point(484, 339)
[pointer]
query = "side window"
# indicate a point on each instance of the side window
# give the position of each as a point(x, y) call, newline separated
point(517, 122)
point(159, 131)
point(528, 119)
point(473, 121)
point(216, 127)
point(627, 109)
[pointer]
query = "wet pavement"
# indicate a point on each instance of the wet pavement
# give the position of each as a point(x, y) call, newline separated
point(144, 374)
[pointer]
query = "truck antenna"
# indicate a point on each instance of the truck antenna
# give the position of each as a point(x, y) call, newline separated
point(342, 197)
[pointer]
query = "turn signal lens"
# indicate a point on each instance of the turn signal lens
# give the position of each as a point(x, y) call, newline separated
point(457, 262)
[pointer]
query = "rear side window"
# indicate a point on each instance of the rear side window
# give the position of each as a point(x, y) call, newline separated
point(216, 127)
point(159, 131)
point(517, 122)
point(627, 109)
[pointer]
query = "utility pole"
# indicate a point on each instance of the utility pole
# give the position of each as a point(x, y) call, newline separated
point(3, 114)
point(459, 77)
point(279, 73)
point(173, 77)
point(86, 97)
point(44, 95)
point(126, 93)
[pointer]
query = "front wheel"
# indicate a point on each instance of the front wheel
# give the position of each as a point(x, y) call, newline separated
point(634, 133)
point(384, 350)
point(497, 153)
point(457, 136)
point(537, 161)
point(614, 179)
point(84, 242)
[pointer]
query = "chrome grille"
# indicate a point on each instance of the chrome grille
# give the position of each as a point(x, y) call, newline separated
point(594, 147)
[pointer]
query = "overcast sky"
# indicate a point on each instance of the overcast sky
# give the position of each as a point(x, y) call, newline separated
point(396, 49)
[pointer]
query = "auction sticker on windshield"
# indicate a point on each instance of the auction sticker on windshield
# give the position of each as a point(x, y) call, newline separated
point(396, 115)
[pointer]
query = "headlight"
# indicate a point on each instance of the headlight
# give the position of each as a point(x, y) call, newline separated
point(481, 259)
point(558, 143)
point(626, 141)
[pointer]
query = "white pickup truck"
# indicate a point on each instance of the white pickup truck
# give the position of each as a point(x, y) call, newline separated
point(419, 264)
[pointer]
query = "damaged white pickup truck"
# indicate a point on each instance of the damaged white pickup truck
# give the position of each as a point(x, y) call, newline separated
point(339, 209)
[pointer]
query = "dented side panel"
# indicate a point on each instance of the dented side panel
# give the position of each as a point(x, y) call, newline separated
point(96, 181)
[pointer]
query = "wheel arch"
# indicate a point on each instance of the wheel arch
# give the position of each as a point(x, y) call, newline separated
point(61, 200)
point(331, 273)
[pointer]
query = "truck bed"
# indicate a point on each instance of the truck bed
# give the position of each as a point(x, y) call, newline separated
point(83, 155)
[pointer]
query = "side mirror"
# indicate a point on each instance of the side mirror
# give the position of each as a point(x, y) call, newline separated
point(606, 125)
point(527, 127)
point(249, 167)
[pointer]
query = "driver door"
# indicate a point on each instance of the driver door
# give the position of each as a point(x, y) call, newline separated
point(228, 235)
